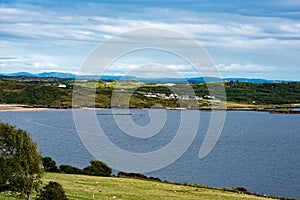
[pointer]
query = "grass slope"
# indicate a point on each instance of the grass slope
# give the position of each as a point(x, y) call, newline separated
point(91, 187)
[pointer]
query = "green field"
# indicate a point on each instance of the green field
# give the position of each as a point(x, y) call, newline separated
point(91, 187)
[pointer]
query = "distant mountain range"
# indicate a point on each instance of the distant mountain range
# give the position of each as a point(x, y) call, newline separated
point(156, 80)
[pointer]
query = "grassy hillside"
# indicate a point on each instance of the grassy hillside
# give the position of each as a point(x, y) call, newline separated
point(91, 187)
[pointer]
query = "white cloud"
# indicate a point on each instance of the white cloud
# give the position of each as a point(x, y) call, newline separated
point(290, 28)
point(237, 67)
point(160, 70)
point(36, 63)
point(50, 25)
point(66, 37)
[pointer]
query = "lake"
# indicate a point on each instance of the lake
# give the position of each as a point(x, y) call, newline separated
point(256, 150)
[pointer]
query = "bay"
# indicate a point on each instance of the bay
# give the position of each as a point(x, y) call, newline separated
point(256, 150)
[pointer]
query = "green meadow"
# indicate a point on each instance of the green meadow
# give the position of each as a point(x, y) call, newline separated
point(83, 187)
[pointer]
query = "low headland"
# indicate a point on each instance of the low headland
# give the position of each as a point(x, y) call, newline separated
point(44, 94)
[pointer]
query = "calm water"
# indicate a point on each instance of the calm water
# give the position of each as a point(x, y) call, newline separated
point(258, 151)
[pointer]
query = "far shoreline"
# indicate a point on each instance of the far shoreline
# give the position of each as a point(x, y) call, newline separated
point(20, 108)
point(273, 109)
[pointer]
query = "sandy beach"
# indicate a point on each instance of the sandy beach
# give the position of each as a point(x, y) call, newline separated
point(22, 107)
point(19, 107)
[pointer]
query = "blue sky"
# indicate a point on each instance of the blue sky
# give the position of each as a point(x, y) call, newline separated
point(253, 39)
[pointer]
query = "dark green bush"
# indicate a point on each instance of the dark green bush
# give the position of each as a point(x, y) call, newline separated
point(51, 191)
point(68, 169)
point(240, 189)
point(49, 165)
point(97, 168)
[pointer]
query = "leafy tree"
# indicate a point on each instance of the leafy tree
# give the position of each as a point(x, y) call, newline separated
point(49, 164)
point(20, 161)
point(97, 168)
point(51, 191)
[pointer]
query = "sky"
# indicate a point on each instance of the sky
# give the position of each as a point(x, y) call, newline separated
point(250, 39)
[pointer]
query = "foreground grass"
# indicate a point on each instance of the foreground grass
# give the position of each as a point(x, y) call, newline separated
point(91, 187)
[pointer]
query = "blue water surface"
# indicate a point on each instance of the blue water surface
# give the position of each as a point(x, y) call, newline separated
point(256, 150)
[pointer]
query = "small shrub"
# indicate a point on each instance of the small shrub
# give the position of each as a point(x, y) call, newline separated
point(68, 169)
point(132, 175)
point(137, 175)
point(240, 189)
point(97, 168)
point(154, 179)
point(51, 191)
point(49, 165)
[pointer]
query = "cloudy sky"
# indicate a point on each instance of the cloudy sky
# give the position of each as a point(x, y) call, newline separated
point(252, 39)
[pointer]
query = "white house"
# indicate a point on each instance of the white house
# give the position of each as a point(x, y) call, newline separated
point(62, 85)
point(185, 97)
point(169, 84)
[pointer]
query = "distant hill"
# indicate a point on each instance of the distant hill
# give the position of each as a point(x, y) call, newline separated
point(155, 80)
point(43, 75)
point(65, 76)
point(252, 80)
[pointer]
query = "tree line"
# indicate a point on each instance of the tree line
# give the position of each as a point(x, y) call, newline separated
point(96, 168)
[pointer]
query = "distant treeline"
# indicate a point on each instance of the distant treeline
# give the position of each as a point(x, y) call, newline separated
point(96, 168)
point(263, 93)
point(59, 94)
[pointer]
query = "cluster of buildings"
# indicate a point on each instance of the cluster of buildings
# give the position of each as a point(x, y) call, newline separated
point(176, 96)
point(171, 96)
